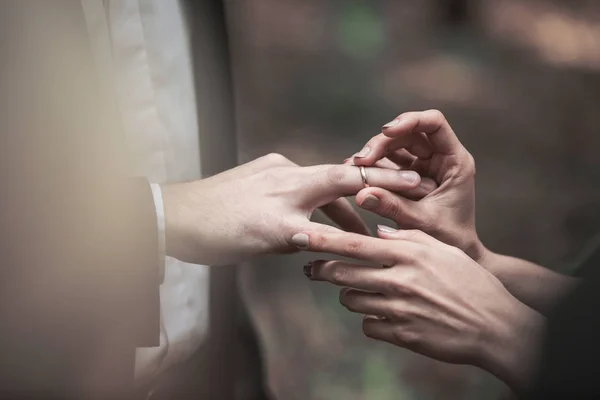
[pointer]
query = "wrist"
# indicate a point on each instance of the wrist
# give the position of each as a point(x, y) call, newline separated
point(477, 251)
point(175, 239)
point(488, 260)
point(511, 346)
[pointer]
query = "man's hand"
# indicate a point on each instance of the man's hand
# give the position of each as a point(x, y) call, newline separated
point(255, 209)
point(425, 142)
point(430, 298)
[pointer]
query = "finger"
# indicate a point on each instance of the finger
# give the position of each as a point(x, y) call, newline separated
point(352, 245)
point(380, 329)
point(325, 183)
point(402, 157)
point(407, 213)
point(317, 227)
point(406, 160)
point(383, 163)
point(362, 302)
point(398, 333)
point(386, 163)
point(432, 123)
point(342, 213)
point(426, 187)
point(379, 146)
point(411, 235)
point(422, 167)
point(343, 273)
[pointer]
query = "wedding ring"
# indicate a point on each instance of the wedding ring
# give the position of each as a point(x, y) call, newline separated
point(363, 175)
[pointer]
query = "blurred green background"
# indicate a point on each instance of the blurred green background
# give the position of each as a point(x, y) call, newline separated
point(518, 80)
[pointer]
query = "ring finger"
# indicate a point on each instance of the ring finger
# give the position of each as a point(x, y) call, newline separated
point(362, 302)
point(343, 273)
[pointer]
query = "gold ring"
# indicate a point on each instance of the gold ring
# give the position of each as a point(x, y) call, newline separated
point(363, 175)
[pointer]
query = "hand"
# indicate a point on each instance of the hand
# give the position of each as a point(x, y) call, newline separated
point(430, 298)
point(255, 209)
point(425, 142)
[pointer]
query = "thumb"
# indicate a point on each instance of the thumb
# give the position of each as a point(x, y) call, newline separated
point(406, 213)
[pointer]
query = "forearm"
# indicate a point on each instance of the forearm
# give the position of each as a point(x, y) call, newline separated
point(534, 285)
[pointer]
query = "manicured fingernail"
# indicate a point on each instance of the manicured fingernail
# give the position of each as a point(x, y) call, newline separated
point(364, 152)
point(349, 161)
point(308, 270)
point(392, 123)
point(370, 202)
point(409, 176)
point(386, 229)
point(300, 240)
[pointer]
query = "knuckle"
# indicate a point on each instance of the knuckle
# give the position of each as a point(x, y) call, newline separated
point(464, 168)
point(345, 297)
point(354, 247)
point(395, 285)
point(406, 114)
point(399, 314)
point(390, 285)
point(436, 115)
point(277, 159)
point(421, 255)
point(350, 303)
point(406, 337)
point(413, 234)
point(337, 273)
point(335, 174)
point(317, 240)
point(402, 287)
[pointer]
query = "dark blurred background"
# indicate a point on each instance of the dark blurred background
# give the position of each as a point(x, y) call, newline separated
point(520, 83)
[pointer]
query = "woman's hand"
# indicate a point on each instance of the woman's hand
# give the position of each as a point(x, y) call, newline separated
point(430, 298)
point(425, 142)
point(255, 208)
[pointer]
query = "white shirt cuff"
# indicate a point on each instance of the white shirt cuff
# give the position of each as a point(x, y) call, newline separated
point(160, 222)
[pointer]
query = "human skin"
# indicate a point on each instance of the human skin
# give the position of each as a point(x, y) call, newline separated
point(425, 142)
point(430, 298)
point(255, 209)
point(446, 295)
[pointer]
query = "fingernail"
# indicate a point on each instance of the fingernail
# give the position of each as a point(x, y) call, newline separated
point(427, 185)
point(308, 270)
point(409, 176)
point(364, 152)
point(392, 123)
point(386, 229)
point(349, 161)
point(370, 202)
point(300, 240)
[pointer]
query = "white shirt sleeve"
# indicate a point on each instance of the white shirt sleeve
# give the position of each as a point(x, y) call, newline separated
point(160, 223)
